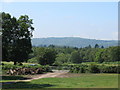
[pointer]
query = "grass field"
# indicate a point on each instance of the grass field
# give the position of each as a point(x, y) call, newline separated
point(81, 81)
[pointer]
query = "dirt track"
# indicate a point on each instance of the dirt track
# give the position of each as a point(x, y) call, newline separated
point(56, 73)
point(46, 76)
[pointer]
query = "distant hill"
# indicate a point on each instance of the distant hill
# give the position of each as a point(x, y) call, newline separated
point(72, 41)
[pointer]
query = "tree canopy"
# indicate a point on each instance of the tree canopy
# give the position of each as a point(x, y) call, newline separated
point(45, 56)
point(16, 37)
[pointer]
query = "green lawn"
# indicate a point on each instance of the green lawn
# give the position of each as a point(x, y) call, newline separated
point(82, 81)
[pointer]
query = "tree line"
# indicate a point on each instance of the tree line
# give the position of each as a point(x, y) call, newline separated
point(17, 47)
point(53, 55)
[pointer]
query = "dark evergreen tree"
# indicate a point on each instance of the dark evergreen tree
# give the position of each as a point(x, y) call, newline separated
point(102, 46)
point(96, 46)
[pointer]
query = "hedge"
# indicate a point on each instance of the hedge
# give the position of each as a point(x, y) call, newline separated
point(94, 68)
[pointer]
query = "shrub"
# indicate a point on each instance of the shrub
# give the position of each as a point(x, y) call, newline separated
point(32, 60)
point(7, 67)
point(78, 68)
point(110, 69)
point(94, 68)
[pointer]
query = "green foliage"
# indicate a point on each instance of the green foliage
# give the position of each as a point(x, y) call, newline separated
point(75, 57)
point(45, 56)
point(79, 68)
point(9, 66)
point(6, 67)
point(94, 68)
point(98, 55)
point(16, 34)
point(96, 46)
point(32, 60)
point(61, 59)
point(80, 55)
point(109, 69)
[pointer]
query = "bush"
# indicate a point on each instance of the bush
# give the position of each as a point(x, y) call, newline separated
point(8, 67)
point(94, 68)
point(78, 68)
point(32, 60)
point(110, 69)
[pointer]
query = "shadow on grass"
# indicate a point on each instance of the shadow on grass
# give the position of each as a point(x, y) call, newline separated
point(14, 78)
point(25, 85)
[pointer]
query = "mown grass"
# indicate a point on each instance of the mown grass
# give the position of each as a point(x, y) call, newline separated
point(82, 81)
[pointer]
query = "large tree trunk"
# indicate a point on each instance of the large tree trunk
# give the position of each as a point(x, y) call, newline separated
point(15, 62)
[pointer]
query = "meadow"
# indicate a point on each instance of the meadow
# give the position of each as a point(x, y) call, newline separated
point(80, 81)
point(69, 80)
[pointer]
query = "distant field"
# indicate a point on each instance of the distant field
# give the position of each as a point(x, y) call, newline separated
point(80, 81)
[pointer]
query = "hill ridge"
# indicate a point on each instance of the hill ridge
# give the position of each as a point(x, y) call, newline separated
point(72, 41)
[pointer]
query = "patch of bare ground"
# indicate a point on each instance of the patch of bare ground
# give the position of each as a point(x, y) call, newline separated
point(55, 73)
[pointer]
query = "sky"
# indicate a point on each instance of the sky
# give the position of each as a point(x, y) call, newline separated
point(93, 20)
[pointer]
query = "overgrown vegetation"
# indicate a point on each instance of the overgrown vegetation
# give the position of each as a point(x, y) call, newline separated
point(26, 68)
point(67, 55)
point(94, 68)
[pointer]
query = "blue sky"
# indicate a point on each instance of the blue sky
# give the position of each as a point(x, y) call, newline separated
point(96, 20)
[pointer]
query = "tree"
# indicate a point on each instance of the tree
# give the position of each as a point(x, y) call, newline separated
point(6, 35)
point(102, 46)
point(106, 55)
point(99, 55)
point(88, 46)
point(16, 37)
point(46, 56)
point(51, 46)
point(114, 53)
point(96, 46)
point(62, 58)
point(75, 57)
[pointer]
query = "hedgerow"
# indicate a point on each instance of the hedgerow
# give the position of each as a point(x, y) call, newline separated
point(94, 68)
